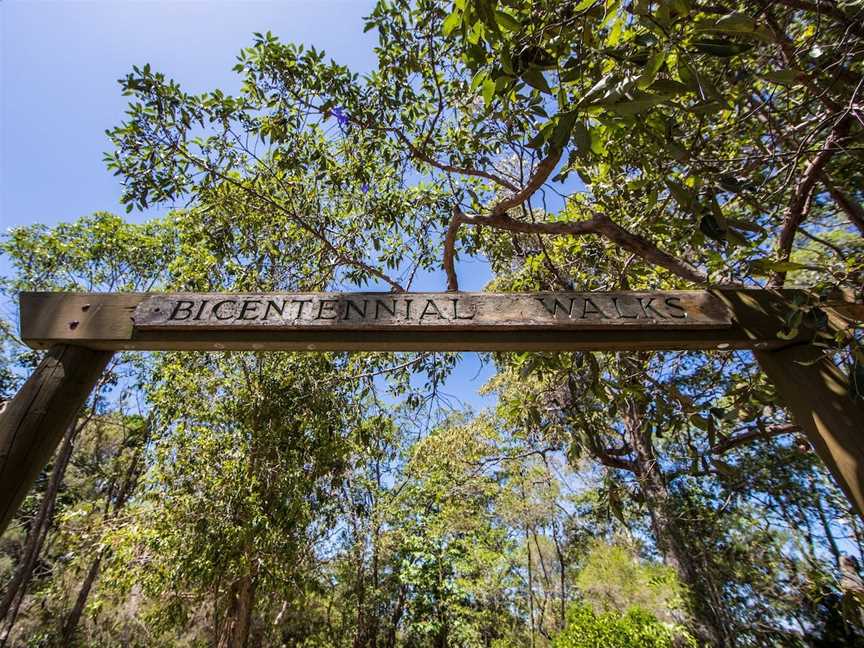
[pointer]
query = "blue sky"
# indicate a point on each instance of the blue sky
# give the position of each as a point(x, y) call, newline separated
point(59, 65)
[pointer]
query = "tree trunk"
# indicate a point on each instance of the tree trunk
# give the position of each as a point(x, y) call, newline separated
point(705, 606)
point(846, 203)
point(70, 626)
point(17, 586)
point(238, 616)
point(394, 620)
point(530, 584)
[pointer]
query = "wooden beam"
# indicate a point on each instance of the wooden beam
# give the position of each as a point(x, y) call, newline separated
point(422, 311)
point(719, 319)
point(818, 396)
point(34, 421)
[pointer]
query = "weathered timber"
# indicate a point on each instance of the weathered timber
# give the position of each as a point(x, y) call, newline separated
point(34, 421)
point(462, 311)
point(818, 396)
point(719, 319)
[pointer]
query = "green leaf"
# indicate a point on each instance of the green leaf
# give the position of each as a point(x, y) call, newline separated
point(701, 422)
point(788, 334)
point(670, 87)
point(501, 83)
point(561, 134)
point(746, 226)
point(651, 69)
point(707, 108)
point(787, 266)
point(542, 136)
point(535, 79)
point(712, 228)
point(451, 22)
point(581, 138)
point(783, 77)
point(598, 141)
point(507, 62)
point(735, 238)
point(734, 23)
point(720, 47)
point(488, 91)
point(683, 195)
point(769, 266)
point(640, 104)
point(608, 88)
point(478, 79)
point(506, 21)
point(585, 4)
point(856, 379)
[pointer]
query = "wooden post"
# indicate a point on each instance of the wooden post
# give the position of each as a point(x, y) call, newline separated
point(818, 395)
point(33, 422)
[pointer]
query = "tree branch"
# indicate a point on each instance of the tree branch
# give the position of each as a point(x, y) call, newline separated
point(648, 251)
point(797, 208)
point(845, 202)
point(449, 168)
point(348, 260)
point(787, 52)
point(826, 9)
point(611, 461)
point(759, 432)
point(540, 175)
point(600, 224)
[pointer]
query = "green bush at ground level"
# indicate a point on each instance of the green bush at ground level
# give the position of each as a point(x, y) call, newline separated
point(635, 628)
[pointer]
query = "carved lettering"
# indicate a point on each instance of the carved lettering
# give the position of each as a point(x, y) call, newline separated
point(429, 308)
point(553, 310)
point(595, 310)
point(245, 307)
point(350, 304)
point(180, 307)
point(271, 304)
point(675, 303)
point(204, 302)
point(621, 314)
point(379, 304)
point(302, 303)
point(646, 306)
point(456, 314)
point(329, 305)
point(217, 307)
point(457, 311)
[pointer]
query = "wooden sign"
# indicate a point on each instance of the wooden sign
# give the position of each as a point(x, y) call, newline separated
point(431, 310)
point(457, 321)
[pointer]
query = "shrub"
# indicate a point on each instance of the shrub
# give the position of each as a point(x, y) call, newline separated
point(635, 628)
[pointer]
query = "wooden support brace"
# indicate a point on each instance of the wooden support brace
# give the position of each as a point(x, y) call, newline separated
point(818, 396)
point(34, 421)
